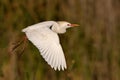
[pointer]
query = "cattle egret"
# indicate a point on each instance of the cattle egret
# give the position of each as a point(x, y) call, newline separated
point(44, 36)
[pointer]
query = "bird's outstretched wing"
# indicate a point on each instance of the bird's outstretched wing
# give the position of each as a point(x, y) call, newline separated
point(48, 44)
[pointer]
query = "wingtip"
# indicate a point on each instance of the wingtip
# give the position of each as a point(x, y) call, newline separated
point(60, 69)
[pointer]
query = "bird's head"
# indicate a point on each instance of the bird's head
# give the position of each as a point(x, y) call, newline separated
point(65, 24)
point(61, 26)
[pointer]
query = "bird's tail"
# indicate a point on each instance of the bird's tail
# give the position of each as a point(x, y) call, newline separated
point(24, 30)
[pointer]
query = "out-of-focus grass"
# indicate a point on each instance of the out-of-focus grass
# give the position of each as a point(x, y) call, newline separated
point(91, 50)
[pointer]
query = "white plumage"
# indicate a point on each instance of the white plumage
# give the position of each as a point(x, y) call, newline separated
point(44, 36)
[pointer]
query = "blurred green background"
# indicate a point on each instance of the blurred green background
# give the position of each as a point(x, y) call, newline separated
point(92, 50)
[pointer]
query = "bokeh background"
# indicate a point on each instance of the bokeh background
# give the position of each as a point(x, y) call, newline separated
point(92, 50)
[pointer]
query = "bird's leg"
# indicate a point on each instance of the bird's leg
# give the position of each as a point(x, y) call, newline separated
point(24, 45)
point(17, 45)
point(23, 41)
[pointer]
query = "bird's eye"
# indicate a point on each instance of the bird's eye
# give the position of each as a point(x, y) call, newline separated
point(68, 24)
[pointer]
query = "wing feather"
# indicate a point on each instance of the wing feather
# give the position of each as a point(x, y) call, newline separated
point(48, 44)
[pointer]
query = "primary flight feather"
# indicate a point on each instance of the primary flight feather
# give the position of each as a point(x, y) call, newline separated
point(44, 36)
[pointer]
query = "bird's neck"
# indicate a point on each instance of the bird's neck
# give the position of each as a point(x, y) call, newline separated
point(62, 30)
point(58, 29)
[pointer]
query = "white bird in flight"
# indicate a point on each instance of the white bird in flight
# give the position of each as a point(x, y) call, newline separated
point(44, 36)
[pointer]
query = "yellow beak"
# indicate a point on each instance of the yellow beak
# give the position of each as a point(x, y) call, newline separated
point(74, 25)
